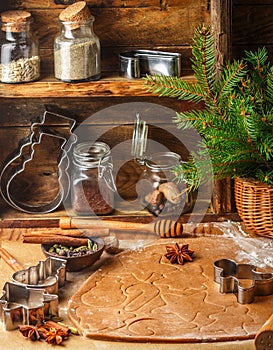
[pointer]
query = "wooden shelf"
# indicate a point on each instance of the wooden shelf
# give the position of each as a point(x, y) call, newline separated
point(11, 218)
point(106, 87)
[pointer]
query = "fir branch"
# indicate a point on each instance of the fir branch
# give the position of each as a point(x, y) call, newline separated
point(175, 88)
point(236, 122)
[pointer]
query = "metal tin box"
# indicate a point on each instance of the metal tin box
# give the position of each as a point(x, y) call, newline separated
point(138, 63)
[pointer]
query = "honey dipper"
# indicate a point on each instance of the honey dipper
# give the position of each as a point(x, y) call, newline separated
point(163, 228)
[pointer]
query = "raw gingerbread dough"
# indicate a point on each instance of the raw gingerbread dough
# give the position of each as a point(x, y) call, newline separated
point(140, 296)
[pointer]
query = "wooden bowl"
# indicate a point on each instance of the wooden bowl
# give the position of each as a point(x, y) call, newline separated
point(77, 263)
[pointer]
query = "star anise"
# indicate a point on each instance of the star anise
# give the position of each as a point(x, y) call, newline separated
point(179, 253)
point(55, 333)
point(49, 331)
point(55, 336)
point(31, 332)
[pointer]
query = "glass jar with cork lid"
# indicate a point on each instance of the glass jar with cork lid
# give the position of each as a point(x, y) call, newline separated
point(77, 48)
point(93, 187)
point(20, 60)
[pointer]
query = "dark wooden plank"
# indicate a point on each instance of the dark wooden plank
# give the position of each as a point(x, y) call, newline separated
point(130, 26)
point(252, 24)
point(238, 51)
point(243, 3)
point(221, 25)
point(110, 59)
point(164, 5)
point(107, 87)
point(19, 112)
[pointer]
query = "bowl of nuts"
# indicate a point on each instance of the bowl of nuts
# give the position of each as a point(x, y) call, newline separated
point(77, 257)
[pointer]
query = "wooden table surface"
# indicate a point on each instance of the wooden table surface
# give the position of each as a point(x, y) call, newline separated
point(29, 255)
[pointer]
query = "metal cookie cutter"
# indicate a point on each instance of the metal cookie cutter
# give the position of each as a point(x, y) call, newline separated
point(22, 305)
point(17, 160)
point(49, 275)
point(138, 63)
point(243, 280)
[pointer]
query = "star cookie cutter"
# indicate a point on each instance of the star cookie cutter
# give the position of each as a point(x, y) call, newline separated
point(48, 274)
point(22, 305)
point(243, 280)
point(16, 162)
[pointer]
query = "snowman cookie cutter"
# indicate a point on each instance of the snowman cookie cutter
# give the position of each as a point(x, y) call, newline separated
point(16, 162)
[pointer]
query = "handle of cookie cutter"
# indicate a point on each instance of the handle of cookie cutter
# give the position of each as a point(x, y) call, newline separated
point(10, 260)
point(264, 337)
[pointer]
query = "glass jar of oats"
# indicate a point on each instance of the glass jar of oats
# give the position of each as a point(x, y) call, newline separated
point(19, 60)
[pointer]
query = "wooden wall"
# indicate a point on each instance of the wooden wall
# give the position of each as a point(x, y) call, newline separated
point(125, 25)
point(120, 25)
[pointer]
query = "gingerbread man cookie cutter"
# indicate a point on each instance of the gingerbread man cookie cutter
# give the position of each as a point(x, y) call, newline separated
point(16, 162)
point(244, 280)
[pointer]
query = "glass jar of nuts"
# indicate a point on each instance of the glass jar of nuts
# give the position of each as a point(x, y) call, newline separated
point(20, 60)
point(159, 192)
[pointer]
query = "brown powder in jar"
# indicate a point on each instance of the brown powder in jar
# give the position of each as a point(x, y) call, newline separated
point(89, 196)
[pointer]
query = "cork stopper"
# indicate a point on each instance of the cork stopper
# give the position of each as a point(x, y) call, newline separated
point(13, 20)
point(76, 14)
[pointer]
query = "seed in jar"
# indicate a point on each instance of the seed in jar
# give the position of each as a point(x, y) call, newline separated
point(22, 70)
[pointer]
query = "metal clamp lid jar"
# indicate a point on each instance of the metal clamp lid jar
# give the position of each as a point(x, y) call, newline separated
point(159, 191)
point(20, 60)
point(77, 48)
point(93, 187)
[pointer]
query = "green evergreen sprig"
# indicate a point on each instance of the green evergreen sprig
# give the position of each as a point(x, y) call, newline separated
point(236, 122)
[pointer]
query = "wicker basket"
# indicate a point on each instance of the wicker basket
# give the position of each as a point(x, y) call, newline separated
point(254, 202)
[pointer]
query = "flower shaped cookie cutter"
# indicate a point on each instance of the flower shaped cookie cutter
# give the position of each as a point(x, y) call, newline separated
point(22, 305)
point(32, 295)
point(243, 280)
point(16, 162)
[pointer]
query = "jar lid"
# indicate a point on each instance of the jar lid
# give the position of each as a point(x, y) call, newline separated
point(90, 154)
point(14, 19)
point(163, 160)
point(75, 13)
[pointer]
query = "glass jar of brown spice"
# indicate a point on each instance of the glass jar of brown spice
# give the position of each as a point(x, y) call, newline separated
point(93, 187)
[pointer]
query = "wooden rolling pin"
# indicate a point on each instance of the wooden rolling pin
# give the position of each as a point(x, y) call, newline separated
point(164, 228)
point(264, 338)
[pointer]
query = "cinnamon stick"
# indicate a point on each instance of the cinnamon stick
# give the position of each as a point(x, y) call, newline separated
point(70, 232)
point(57, 326)
point(10, 260)
point(58, 239)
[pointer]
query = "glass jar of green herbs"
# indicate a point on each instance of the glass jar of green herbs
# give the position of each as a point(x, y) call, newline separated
point(77, 48)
